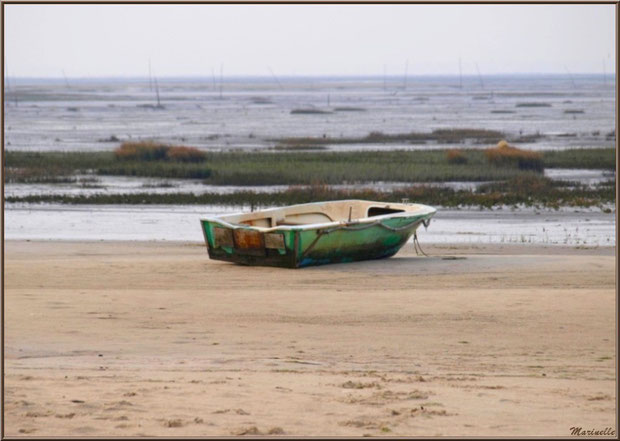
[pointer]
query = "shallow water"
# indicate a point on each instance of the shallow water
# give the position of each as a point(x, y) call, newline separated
point(251, 112)
point(586, 177)
point(93, 223)
point(137, 185)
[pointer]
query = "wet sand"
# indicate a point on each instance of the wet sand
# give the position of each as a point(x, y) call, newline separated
point(153, 338)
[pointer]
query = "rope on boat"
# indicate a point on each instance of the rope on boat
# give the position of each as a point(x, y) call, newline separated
point(417, 246)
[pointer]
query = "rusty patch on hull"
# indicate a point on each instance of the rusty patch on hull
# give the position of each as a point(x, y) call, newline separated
point(248, 239)
point(223, 237)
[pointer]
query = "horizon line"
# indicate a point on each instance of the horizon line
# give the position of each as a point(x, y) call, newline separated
point(294, 76)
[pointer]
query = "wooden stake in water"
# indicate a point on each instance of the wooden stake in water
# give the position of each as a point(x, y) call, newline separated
point(65, 77)
point(479, 76)
point(384, 85)
point(8, 85)
point(275, 77)
point(221, 78)
point(571, 77)
point(157, 92)
point(6, 77)
point(150, 77)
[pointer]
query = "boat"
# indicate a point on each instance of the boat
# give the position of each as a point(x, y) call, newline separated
point(314, 234)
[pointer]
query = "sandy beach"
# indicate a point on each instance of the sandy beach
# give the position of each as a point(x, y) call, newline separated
point(155, 339)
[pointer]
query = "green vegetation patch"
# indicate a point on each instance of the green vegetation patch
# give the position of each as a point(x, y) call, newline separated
point(297, 167)
point(598, 158)
point(456, 156)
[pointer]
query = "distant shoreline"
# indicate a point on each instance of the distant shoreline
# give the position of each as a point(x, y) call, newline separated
point(229, 78)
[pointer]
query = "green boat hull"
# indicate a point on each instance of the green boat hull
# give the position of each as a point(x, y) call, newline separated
point(301, 247)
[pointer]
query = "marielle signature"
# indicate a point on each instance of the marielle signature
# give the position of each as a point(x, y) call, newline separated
point(579, 431)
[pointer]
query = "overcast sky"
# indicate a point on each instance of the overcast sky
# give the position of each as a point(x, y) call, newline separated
point(194, 40)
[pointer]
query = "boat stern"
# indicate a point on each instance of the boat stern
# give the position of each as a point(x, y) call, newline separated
point(248, 246)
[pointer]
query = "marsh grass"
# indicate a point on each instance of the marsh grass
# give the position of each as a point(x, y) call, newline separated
point(185, 154)
point(155, 169)
point(505, 155)
point(154, 151)
point(456, 156)
point(141, 151)
point(293, 167)
point(598, 158)
point(266, 168)
point(51, 167)
point(297, 168)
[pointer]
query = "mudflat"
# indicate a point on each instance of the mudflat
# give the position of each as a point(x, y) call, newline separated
point(153, 338)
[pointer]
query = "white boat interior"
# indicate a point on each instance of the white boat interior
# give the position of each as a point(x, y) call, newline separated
point(321, 213)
